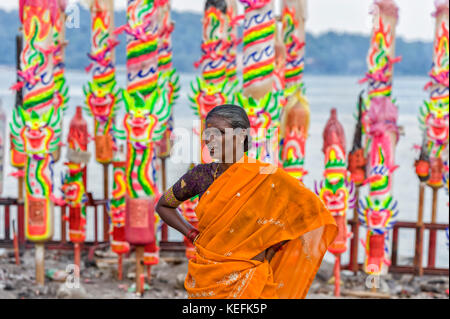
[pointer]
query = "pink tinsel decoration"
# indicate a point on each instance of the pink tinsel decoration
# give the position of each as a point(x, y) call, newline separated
point(333, 132)
point(62, 4)
point(383, 115)
point(255, 4)
point(441, 6)
point(387, 7)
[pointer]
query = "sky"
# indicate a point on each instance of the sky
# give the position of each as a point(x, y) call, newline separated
point(415, 23)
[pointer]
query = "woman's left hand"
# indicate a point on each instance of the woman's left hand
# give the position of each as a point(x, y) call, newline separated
point(270, 252)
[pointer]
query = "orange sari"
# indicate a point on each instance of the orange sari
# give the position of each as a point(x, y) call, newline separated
point(249, 208)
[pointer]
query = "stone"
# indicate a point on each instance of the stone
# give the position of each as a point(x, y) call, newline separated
point(438, 281)
point(325, 271)
point(392, 284)
point(65, 292)
point(24, 292)
point(41, 290)
point(347, 273)
point(332, 280)
point(314, 287)
point(384, 287)
point(179, 283)
point(406, 291)
point(396, 276)
point(430, 288)
point(406, 279)
point(90, 263)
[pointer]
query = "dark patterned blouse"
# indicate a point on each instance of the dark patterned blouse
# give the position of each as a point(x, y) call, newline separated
point(195, 182)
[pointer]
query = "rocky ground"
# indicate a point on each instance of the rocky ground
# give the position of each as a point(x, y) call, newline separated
point(99, 279)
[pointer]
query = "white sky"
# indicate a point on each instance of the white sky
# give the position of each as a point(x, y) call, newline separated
point(416, 22)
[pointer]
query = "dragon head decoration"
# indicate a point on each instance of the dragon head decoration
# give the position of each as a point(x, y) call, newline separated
point(73, 186)
point(36, 134)
point(264, 117)
point(293, 153)
point(440, 70)
point(101, 100)
point(146, 118)
point(263, 113)
point(336, 191)
point(434, 116)
point(379, 210)
point(206, 96)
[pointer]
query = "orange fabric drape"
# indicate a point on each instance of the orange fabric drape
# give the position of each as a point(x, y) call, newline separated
point(250, 207)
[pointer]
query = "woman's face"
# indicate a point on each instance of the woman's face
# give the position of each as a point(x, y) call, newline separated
point(224, 143)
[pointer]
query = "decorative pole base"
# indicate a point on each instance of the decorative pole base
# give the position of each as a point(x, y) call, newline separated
point(40, 264)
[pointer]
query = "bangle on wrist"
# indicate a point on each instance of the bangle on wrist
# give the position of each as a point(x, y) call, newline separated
point(196, 237)
point(193, 234)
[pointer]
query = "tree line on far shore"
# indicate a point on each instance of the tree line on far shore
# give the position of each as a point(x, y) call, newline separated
point(329, 53)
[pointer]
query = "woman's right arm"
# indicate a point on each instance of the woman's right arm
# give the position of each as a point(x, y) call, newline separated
point(172, 217)
point(184, 189)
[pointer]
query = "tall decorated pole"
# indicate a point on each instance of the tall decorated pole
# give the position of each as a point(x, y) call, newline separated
point(36, 123)
point(59, 42)
point(357, 163)
point(17, 159)
point(147, 114)
point(336, 190)
point(212, 88)
point(37, 58)
point(74, 181)
point(378, 211)
point(145, 122)
point(167, 71)
point(293, 19)
point(165, 64)
point(101, 93)
point(259, 98)
point(433, 118)
point(119, 245)
point(295, 121)
point(37, 135)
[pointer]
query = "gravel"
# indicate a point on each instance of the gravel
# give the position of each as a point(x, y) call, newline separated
point(167, 279)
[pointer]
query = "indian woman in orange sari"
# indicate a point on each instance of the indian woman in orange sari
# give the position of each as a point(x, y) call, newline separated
point(261, 233)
